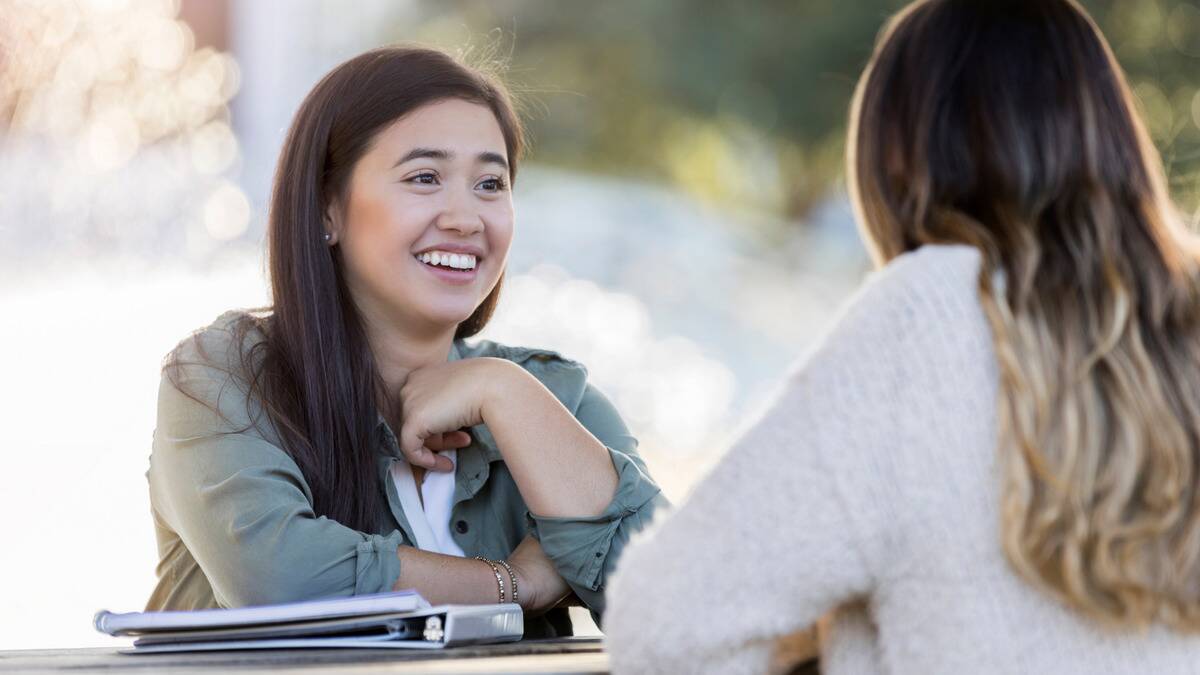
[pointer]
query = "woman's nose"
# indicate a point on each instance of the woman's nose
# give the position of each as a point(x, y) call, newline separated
point(459, 214)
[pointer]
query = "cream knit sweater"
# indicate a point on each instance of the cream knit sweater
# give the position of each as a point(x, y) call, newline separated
point(869, 488)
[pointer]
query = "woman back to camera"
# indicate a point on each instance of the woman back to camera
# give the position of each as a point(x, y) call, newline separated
point(990, 464)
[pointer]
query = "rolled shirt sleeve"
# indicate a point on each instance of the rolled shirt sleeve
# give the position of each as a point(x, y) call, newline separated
point(586, 550)
point(242, 508)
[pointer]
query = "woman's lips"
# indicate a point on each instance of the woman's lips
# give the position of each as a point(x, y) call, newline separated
point(448, 275)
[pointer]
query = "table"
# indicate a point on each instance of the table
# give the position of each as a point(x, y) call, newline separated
point(562, 655)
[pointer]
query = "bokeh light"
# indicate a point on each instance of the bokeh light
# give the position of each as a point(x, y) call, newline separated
point(134, 120)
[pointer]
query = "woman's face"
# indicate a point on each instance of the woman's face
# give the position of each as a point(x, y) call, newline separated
point(428, 217)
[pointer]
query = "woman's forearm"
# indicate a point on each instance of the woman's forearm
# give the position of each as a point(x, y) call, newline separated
point(559, 467)
point(446, 579)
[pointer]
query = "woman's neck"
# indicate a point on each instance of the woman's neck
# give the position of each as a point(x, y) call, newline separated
point(397, 352)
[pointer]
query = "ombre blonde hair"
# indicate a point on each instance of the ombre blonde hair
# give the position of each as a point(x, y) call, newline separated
point(1007, 125)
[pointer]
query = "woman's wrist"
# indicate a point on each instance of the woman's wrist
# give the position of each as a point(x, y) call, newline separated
point(508, 587)
point(514, 589)
point(504, 384)
point(501, 596)
point(528, 594)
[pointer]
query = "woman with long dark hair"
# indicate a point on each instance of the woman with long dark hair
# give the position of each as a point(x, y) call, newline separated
point(346, 440)
point(991, 464)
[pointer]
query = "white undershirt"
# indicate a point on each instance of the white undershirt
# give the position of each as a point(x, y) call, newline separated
point(431, 524)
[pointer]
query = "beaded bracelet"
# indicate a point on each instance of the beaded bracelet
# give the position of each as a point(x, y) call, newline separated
point(511, 575)
point(496, 571)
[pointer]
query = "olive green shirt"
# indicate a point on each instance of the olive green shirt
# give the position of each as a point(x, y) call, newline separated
point(234, 520)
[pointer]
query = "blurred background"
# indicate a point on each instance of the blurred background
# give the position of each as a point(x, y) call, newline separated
point(683, 227)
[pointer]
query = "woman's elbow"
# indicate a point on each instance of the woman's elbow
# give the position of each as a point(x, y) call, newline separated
point(257, 591)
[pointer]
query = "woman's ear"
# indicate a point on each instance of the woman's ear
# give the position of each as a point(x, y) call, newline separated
point(332, 223)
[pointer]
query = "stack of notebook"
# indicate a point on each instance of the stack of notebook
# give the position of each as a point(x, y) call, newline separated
point(402, 619)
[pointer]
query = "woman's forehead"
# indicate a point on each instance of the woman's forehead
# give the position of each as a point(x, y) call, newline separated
point(448, 130)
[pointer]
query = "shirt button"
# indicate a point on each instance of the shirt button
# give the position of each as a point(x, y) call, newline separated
point(461, 526)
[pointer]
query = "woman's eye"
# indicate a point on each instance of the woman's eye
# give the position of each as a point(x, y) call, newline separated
point(423, 179)
point(491, 185)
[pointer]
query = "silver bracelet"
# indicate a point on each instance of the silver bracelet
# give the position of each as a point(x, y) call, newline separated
point(496, 571)
point(511, 575)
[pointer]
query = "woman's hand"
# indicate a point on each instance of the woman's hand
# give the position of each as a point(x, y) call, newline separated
point(559, 467)
point(451, 440)
point(442, 399)
point(539, 586)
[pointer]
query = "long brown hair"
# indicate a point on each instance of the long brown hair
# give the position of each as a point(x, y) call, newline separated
point(314, 375)
point(1007, 125)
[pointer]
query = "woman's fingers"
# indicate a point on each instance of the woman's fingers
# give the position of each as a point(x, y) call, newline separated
point(458, 439)
point(430, 460)
point(442, 463)
point(451, 440)
point(412, 444)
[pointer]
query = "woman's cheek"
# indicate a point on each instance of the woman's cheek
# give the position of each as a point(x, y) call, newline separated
point(500, 232)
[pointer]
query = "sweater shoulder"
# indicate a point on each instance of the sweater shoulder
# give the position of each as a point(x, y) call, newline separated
point(926, 276)
point(915, 325)
point(929, 292)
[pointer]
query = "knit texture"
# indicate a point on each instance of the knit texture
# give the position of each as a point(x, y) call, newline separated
point(869, 489)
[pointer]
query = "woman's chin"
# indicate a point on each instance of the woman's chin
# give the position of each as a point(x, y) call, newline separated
point(447, 320)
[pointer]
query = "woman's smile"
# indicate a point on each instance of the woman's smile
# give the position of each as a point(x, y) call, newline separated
point(458, 269)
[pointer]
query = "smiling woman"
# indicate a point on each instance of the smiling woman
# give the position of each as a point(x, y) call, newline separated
point(346, 439)
point(450, 204)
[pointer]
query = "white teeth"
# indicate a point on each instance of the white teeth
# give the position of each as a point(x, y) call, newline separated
point(463, 261)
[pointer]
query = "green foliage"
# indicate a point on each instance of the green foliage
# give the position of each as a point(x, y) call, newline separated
point(746, 103)
point(1158, 44)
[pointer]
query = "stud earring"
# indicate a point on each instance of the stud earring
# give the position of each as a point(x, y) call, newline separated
point(327, 237)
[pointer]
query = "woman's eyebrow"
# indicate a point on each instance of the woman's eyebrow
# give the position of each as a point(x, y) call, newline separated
point(433, 153)
point(423, 153)
point(493, 158)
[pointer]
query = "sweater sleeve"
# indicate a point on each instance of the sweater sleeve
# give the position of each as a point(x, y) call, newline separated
point(791, 523)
